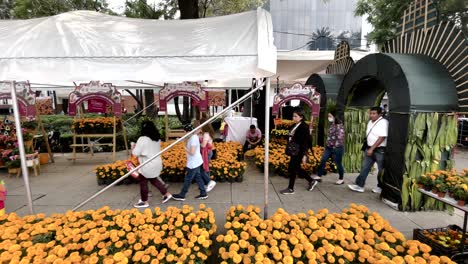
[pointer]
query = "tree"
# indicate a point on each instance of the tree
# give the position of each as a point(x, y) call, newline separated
point(210, 8)
point(6, 7)
point(322, 39)
point(141, 9)
point(24, 9)
point(455, 11)
point(383, 15)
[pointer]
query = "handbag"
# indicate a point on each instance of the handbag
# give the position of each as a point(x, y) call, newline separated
point(292, 148)
point(364, 144)
point(130, 167)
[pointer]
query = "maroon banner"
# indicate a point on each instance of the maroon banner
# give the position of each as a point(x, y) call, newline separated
point(192, 90)
point(96, 91)
point(26, 97)
point(97, 106)
point(306, 94)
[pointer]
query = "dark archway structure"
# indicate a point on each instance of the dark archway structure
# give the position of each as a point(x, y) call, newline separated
point(414, 83)
point(328, 86)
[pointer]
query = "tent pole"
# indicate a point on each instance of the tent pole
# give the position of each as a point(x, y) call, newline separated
point(267, 146)
point(19, 135)
point(229, 96)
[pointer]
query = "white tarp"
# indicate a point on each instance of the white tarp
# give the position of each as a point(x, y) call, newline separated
point(238, 127)
point(86, 45)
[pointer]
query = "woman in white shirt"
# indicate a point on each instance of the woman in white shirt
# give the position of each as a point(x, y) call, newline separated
point(148, 145)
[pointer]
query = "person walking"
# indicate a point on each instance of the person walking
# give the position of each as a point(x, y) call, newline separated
point(374, 151)
point(148, 145)
point(334, 148)
point(299, 135)
point(206, 148)
point(194, 165)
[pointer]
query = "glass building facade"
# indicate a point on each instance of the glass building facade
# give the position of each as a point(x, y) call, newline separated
point(314, 24)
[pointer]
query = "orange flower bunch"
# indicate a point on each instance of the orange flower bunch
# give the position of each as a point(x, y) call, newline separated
point(451, 181)
point(109, 236)
point(280, 161)
point(93, 125)
point(355, 235)
point(108, 173)
point(227, 165)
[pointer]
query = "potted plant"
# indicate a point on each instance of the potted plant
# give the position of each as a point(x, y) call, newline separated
point(424, 181)
point(13, 165)
point(441, 188)
point(461, 195)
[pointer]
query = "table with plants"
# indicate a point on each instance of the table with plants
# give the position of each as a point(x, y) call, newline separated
point(451, 188)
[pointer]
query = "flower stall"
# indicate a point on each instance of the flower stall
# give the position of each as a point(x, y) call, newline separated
point(226, 167)
point(30, 121)
point(101, 98)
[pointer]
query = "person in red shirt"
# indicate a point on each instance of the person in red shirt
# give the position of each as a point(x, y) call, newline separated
point(252, 138)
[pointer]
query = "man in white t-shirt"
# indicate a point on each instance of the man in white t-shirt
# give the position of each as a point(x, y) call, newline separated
point(194, 166)
point(377, 132)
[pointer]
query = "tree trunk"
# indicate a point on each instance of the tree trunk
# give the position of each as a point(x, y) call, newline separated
point(188, 9)
point(186, 109)
point(177, 109)
point(140, 104)
point(149, 101)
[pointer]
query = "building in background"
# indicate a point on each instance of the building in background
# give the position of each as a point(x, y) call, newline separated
point(315, 25)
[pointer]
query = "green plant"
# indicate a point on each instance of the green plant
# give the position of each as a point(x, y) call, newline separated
point(13, 164)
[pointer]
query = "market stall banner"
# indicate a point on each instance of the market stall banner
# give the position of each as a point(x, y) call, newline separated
point(96, 90)
point(97, 106)
point(26, 97)
point(189, 89)
point(44, 106)
point(304, 93)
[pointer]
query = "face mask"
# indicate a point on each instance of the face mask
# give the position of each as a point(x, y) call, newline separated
point(330, 119)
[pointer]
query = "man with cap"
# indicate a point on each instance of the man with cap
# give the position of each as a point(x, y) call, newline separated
point(194, 165)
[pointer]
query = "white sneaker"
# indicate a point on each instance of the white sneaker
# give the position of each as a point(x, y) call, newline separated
point(339, 182)
point(141, 204)
point(210, 186)
point(317, 178)
point(377, 190)
point(356, 188)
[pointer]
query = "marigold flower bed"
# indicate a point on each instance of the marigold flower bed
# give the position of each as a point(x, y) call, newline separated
point(354, 236)
point(109, 236)
point(280, 161)
point(226, 167)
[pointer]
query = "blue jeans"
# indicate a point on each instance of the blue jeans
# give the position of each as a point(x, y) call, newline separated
point(193, 174)
point(206, 174)
point(337, 154)
point(367, 163)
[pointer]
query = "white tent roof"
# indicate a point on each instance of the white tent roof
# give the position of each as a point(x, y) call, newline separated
point(86, 45)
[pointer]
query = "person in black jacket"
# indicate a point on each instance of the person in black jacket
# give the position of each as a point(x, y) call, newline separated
point(300, 135)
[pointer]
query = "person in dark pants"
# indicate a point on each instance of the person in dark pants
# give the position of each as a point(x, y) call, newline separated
point(299, 134)
point(377, 132)
point(194, 166)
point(334, 147)
point(147, 146)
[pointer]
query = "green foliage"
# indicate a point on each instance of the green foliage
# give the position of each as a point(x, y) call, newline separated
point(455, 11)
point(383, 15)
point(24, 9)
point(209, 8)
point(141, 9)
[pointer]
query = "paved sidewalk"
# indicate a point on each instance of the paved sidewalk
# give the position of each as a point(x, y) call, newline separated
point(63, 185)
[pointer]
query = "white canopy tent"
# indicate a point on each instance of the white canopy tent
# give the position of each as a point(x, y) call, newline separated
point(84, 45)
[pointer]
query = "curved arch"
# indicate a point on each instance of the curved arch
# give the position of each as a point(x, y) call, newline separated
point(94, 95)
point(412, 83)
point(191, 95)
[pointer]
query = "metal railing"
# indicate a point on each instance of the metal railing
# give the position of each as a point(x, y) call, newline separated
point(240, 100)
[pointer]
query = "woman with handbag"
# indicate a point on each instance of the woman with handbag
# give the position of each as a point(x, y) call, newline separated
point(334, 148)
point(148, 145)
point(297, 149)
point(206, 148)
